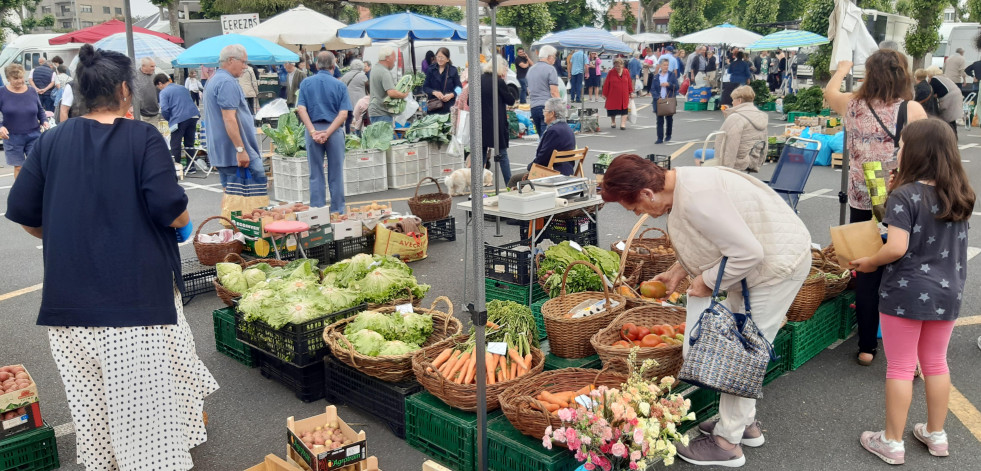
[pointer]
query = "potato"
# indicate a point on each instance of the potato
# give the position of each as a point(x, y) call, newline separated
point(21, 375)
point(337, 445)
point(5, 375)
point(318, 441)
point(22, 411)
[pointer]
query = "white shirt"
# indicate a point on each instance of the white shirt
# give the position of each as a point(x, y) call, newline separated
point(192, 84)
point(67, 96)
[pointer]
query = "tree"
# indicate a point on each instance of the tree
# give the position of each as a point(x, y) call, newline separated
point(647, 10)
point(171, 6)
point(791, 10)
point(27, 22)
point(816, 21)
point(688, 16)
point(974, 10)
point(453, 14)
point(884, 6)
point(530, 21)
point(628, 21)
point(721, 11)
point(571, 14)
point(923, 37)
point(759, 12)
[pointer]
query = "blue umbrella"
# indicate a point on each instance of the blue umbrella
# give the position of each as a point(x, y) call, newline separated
point(591, 39)
point(400, 25)
point(787, 38)
point(144, 45)
point(260, 51)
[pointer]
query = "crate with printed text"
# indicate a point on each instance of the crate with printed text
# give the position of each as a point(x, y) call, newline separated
point(307, 441)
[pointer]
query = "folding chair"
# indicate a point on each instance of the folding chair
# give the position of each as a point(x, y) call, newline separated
point(197, 156)
point(969, 108)
point(700, 159)
point(577, 156)
point(793, 169)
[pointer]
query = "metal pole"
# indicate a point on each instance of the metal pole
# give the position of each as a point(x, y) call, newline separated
point(843, 194)
point(495, 109)
point(130, 51)
point(477, 307)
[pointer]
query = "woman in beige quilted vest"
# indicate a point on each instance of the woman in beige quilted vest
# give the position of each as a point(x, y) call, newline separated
point(716, 212)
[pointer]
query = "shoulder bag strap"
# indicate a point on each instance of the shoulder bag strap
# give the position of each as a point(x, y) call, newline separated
point(718, 285)
point(892, 136)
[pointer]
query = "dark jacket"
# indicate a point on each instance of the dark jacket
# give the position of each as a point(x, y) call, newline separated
point(445, 82)
point(757, 64)
point(293, 86)
point(504, 99)
point(713, 64)
point(739, 72)
point(654, 86)
point(557, 136)
point(923, 94)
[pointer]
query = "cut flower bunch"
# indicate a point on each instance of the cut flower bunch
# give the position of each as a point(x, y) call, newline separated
point(626, 428)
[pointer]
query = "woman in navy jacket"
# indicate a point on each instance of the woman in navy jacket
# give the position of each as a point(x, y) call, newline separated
point(663, 83)
point(442, 80)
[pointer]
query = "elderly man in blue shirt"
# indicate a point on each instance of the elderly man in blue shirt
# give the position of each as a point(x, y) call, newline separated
point(232, 142)
point(323, 107)
point(177, 107)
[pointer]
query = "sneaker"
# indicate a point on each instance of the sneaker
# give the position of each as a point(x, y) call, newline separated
point(704, 451)
point(936, 442)
point(875, 443)
point(667, 138)
point(191, 170)
point(752, 436)
point(659, 141)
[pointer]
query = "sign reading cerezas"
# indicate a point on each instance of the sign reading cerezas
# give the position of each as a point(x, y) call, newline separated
point(238, 23)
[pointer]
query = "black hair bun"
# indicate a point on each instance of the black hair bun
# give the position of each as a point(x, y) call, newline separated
point(87, 55)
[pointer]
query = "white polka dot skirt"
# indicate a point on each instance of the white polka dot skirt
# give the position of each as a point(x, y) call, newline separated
point(136, 394)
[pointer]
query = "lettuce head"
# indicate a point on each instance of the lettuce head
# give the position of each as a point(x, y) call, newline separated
point(253, 276)
point(367, 342)
point(397, 347)
point(384, 324)
point(416, 328)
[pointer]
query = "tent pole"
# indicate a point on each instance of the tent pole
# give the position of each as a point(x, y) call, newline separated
point(412, 53)
point(130, 51)
point(477, 308)
point(495, 107)
point(843, 194)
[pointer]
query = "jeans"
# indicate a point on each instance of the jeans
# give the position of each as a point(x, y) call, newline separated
point(523, 94)
point(185, 130)
point(333, 150)
point(538, 119)
point(382, 119)
point(660, 126)
point(47, 101)
point(575, 93)
point(770, 304)
point(197, 98)
point(505, 163)
point(866, 297)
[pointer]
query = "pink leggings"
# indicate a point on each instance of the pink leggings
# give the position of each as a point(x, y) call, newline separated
point(906, 341)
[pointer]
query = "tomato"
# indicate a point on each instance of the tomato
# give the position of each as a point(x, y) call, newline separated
point(681, 327)
point(668, 330)
point(650, 340)
point(643, 332)
point(626, 330)
point(637, 343)
point(621, 343)
point(657, 329)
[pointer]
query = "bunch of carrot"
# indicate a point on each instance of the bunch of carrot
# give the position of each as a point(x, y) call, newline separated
point(459, 364)
point(560, 400)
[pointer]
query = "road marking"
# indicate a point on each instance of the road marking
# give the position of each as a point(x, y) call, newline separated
point(967, 146)
point(965, 412)
point(7, 175)
point(195, 186)
point(5, 187)
point(678, 152)
point(816, 194)
point(678, 143)
point(64, 429)
point(692, 120)
point(973, 320)
point(625, 151)
point(966, 161)
point(972, 252)
point(14, 294)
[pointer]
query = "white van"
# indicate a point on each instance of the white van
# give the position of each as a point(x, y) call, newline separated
point(27, 51)
point(954, 36)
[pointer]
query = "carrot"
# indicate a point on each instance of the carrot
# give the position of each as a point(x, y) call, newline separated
point(504, 367)
point(460, 364)
point(528, 362)
point(492, 326)
point(443, 356)
point(454, 358)
point(585, 390)
point(516, 357)
point(490, 363)
point(549, 397)
point(514, 369)
point(551, 407)
point(471, 369)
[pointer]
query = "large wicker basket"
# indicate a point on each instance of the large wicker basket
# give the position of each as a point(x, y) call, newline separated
point(210, 254)
point(809, 297)
point(668, 358)
point(226, 295)
point(569, 338)
point(431, 206)
point(638, 301)
point(395, 302)
point(642, 249)
point(463, 396)
point(394, 368)
point(530, 416)
point(832, 286)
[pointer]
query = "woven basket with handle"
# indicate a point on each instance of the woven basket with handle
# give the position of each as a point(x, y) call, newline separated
point(393, 368)
point(210, 254)
point(567, 337)
point(832, 286)
point(431, 206)
point(530, 416)
point(226, 295)
point(668, 358)
point(809, 297)
point(644, 250)
point(634, 299)
point(463, 396)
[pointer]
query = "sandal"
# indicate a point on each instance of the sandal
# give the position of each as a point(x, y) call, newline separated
point(623, 127)
point(865, 362)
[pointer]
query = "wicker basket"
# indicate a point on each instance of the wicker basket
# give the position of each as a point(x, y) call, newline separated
point(226, 295)
point(210, 254)
point(437, 209)
point(809, 297)
point(530, 416)
point(395, 302)
point(639, 301)
point(393, 369)
point(463, 396)
point(569, 338)
point(832, 287)
point(668, 358)
point(640, 250)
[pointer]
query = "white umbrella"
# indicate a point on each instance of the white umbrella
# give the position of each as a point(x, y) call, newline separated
point(722, 34)
point(302, 26)
point(653, 38)
point(626, 38)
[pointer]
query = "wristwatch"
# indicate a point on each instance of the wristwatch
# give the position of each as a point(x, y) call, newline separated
point(240, 149)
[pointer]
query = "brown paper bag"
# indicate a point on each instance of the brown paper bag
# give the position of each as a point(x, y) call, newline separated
point(539, 171)
point(408, 248)
point(855, 240)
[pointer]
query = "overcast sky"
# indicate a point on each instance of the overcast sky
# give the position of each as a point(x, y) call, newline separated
point(142, 7)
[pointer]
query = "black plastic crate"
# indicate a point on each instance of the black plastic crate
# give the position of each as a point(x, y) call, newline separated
point(306, 382)
point(384, 400)
point(298, 344)
point(347, 248)
point(197, 278)
point(323, 253)
point(442, 229)
point(508, 262)
point(590, 237)
point(575, 225)
point(600, 169)
point(661, 160)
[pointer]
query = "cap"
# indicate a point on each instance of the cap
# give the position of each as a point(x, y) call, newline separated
point(670, 48)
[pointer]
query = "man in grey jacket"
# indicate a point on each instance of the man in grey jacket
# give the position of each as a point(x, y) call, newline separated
point(954, 68)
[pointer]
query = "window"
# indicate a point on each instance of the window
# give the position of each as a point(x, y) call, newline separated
point(106, 10)
point(948, 16)
point(86, 8)
point(86, 24)
point(66, 24)
point(45, 9)
point(119, 11)
point(66, 9)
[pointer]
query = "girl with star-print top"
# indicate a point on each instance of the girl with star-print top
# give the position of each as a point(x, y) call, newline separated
point(925, 259)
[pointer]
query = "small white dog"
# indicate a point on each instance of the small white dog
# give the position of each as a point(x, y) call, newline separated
point(458, 182)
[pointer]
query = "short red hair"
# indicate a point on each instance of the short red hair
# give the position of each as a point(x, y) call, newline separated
point(627, 175)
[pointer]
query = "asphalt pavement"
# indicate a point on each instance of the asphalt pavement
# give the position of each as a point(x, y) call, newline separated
point(812, 417)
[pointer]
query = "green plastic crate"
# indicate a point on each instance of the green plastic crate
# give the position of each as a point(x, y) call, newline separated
point(793, 115)
point(769, 106)
point(704, 403)
point(227, 343)
point(781, 348)
point(35, 450)
point(508, 449)
point(445, 434)
point(536, 310)
point(505, 291)
point(553, 362)
point(696, 106)
point(813, 335)
point(849, 318)
point(826, 112)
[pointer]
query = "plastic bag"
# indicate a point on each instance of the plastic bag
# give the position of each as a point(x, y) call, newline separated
point(638, 85)
point(274, 109)
point(461, 136)
point(632, 112)
point(411, 106)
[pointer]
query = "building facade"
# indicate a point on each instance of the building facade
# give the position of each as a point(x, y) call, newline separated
point(76, 14)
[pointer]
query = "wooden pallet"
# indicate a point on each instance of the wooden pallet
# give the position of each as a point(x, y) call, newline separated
point(836, 160)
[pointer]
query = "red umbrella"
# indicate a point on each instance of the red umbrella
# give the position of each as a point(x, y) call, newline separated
point(97, 32)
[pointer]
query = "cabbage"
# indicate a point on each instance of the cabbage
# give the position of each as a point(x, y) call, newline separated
point(231, 277)
point(367, 342)
point(340, 298)
point(253, 276)
point(416, 328)
point(384, 324)
point(382, 285)
point(397, 347)
point(224, 269)
point(255, 304)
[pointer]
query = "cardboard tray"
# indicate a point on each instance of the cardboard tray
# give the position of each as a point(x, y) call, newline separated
point(22, 398)
point(329, 459)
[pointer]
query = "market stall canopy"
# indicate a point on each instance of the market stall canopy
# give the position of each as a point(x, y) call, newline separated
point(260, 51)
point(93, 34)
point(653, 38)
point(626, 38)
point(302, 26)
point(590, 39)
point(722, 34)
point(159, 49)
point(400, 25)
point(787, 38)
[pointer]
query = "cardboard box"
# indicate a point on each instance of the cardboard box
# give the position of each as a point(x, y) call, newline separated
point(29, 420)
point(327, 459)
point(22, 398)
point(347, 229)
point(315, 216)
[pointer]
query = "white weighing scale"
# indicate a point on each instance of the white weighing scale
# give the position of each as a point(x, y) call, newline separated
point(563, 186)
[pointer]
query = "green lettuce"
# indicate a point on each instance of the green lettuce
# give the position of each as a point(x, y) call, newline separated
point(384, 324)
point(367, 342)
point(230, 276)
point(253, 276)
point(416, 328)
point(397, 347)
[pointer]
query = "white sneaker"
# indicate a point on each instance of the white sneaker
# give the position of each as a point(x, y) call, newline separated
point(936, 442)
